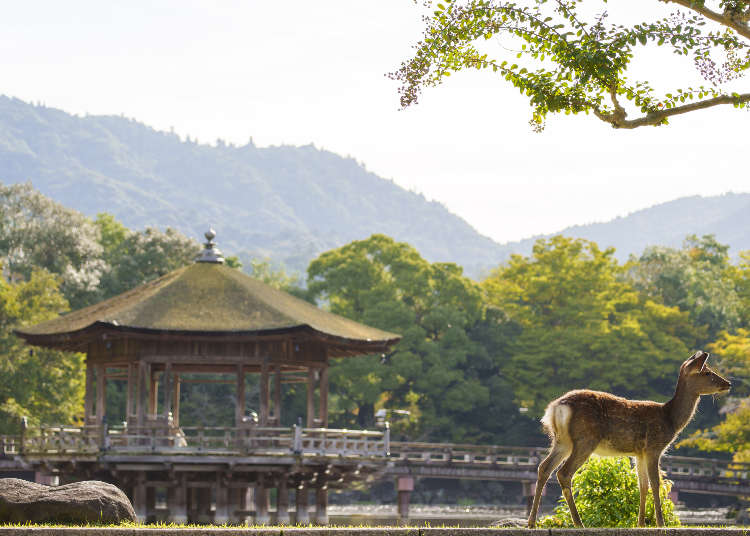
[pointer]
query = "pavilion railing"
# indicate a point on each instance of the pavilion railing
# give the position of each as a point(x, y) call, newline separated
point(161, 439)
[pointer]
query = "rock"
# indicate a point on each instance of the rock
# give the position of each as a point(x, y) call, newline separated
point(90, 501)
point(510, 522)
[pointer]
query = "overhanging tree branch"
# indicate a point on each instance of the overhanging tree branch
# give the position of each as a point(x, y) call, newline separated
point(618, 118)
point(590, 60)
point(734, 22)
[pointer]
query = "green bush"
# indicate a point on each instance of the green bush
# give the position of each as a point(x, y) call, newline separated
point(606, 494)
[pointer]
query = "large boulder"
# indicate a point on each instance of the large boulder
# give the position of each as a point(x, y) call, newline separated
point(91, 501)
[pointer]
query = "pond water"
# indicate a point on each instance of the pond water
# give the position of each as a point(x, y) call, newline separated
point(476, 515)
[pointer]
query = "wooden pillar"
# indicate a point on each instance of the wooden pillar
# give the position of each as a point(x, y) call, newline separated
point(152, 394)
point(282, 502)
point(192, 504)
point(176, 400)
point(261, 504)
point(150, 502)
point(323, 411)
point(101, 390)
point(167, 381)
point(203, 505)
point(264, 392)
point(142, 399)
point(177, 501)
point(277, 395)
point(222, 512)
point(239, 410)
point(238, 502)
point(139, 497)
point(310, 397)
point(321, 505)
point(88, 403)
point(300, 499)
point(130, 393)
point(404, 485)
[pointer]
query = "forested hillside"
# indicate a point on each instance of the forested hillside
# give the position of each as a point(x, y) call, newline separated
point(284, 203)
point(289, 204)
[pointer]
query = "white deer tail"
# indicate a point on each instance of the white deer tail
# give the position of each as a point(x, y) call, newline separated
point(555, 420)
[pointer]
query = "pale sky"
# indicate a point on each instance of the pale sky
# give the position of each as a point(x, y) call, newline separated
point(300, 72)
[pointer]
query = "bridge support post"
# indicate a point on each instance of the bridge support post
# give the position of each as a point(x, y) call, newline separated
point(177, 501)
point(404, 486)
point(261, 504)
point(222, 511)
point(139, 497)
point(300, 499)
point(238, 501)
point(282, 502)
point(321, 505)
point(150, 502)
point(203, 504)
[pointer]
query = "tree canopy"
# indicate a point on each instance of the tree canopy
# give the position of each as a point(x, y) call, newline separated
point(388, 285)
point(584, 326)
point(37, 232)
point(566, 56)
point(44, 385)
point(472, 357)
point(698, 278)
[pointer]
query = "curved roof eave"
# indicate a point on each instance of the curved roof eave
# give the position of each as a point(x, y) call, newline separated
point(77, 340)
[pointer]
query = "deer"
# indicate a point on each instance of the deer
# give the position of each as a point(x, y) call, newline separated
point(585, 422)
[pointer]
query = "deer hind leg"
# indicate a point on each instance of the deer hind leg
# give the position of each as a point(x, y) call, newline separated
point(581, 452)
point(559, 452)
point(642, 468)
point(655, 478)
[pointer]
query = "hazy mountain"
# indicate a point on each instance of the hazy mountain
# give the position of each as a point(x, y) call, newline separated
point(288, 203)
point(726, 216)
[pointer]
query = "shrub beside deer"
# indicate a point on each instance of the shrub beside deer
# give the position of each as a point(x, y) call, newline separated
point(584, 422)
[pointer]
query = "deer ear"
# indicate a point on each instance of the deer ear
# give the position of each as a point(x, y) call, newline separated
point(699, 360)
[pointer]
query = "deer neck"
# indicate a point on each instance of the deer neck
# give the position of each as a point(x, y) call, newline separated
point(681, 407)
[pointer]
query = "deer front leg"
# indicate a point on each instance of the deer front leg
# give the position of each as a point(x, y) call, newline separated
point(642, 468)
point(549, 464)
point(654, 477)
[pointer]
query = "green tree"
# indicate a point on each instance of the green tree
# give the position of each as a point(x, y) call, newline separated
point(583, 326)
point(698, 278)
point(133, 258)
point(566, 57)
point(437, 371)
point(741, 276)
point(44, 385)
point(277, 277)
point(732, 351)
point(36, 232)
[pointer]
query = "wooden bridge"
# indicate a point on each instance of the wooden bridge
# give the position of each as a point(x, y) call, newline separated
point(320, 455)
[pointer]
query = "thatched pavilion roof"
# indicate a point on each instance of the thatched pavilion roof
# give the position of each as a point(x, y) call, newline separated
point(207, 299)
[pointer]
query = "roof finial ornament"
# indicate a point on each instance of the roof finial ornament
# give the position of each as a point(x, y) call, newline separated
point(210, 252)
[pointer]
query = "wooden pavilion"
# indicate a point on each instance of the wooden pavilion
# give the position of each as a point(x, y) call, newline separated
point(210, 318)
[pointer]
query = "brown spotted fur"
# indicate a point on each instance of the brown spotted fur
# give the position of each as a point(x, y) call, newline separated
point(583, 422)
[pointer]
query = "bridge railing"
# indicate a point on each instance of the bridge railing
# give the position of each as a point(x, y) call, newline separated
point(256, 440)
point(9, 445)
point(466, 454)
point(280, 441)
point(678, 467)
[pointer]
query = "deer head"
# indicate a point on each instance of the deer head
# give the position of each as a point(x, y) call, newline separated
point(699, 378)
